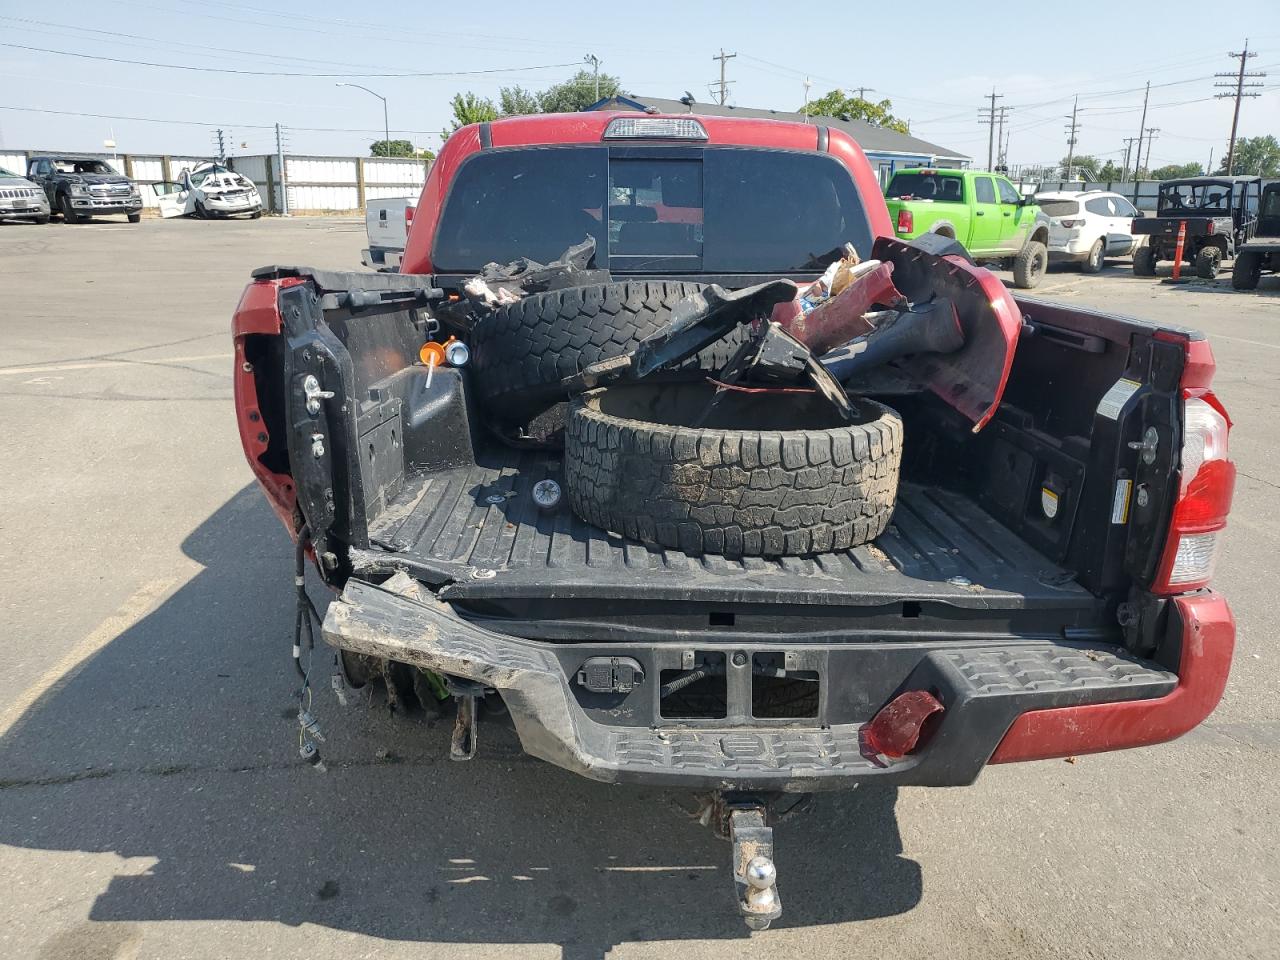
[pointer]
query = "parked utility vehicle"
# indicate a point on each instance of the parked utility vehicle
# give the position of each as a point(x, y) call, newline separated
point(984, 211)
point(20, 199)
point(1042, 588)
point(1261, 251)
point(1216, 214)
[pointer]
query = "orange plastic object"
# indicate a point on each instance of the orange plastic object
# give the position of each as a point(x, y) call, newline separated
point(432, 353)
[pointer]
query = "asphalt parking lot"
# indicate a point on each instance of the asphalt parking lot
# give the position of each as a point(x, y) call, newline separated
point(152, 804)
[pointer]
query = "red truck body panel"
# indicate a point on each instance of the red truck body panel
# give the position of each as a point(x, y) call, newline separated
point(589, 127)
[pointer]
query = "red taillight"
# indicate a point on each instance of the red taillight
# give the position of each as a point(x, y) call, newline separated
point(906, 222)
point(408, 215)
point(1204, 497)
point(1070, 224)
point(1210, 228)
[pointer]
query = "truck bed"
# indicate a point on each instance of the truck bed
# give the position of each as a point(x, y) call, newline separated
point(477, 529)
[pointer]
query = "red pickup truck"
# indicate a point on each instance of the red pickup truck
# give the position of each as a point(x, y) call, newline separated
point(1042, 586)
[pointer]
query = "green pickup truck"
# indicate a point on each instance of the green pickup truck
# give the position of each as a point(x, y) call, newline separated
point(984, 211)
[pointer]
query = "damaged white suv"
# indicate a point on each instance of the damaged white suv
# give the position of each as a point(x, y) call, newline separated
point(209, 190)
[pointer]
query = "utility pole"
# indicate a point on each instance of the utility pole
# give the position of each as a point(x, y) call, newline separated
point(1209, 169)
point(284, 184)
point(1239, 94)
point(1151, 137)
point(863, 91)
point(723, 92)
point(1071, 134)
point(1001, 147)
point(592, 59)
point(807, 84)
point(1128, 150)
point(222, 145)
point(1137, 158)
point(990, 119)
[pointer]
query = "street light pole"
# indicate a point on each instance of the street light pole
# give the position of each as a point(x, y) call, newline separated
point(386, 127)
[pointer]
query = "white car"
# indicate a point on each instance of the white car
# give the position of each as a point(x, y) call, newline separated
point(1088, 226)
point(209, 190)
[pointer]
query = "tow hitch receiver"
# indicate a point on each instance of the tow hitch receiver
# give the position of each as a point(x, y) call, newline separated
point(462, 746)
point(754, 874)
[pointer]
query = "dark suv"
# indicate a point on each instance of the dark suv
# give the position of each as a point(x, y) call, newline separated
point(79, 188)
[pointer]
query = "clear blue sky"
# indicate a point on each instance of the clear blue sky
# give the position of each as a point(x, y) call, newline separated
point(935, 61)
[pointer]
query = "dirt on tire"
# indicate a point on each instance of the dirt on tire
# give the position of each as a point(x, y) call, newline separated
point(633, 468)
point(522, 351)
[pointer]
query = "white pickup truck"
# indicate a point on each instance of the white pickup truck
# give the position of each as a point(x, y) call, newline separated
point(387, 222)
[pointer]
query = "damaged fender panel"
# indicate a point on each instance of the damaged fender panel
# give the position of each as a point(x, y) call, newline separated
point(973, 378)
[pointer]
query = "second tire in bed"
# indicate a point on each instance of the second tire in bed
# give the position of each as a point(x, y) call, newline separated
point(522, 351)
point(765, 476)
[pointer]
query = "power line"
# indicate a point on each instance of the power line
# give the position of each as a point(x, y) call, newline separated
point(212, 123)
point(1243, 56)
point(280, 73)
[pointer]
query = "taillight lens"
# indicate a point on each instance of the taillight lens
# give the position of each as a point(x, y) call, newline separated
point(408, 215)
point(1070, 224)
point(1204, 498)
point(1210, 228)
point(906, 221)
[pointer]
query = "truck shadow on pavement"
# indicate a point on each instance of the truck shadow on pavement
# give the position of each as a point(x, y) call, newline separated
point(175, 748)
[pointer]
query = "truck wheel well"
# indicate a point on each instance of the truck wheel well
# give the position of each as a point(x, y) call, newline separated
point(1040, 235)
point(945, 230)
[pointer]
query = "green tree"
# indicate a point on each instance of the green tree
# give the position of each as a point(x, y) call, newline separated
point(837, 103)
point(1176, 171)
point(577, 93)
point(516, 101)
point(1255, 156)
point(391, 148)
point(1109, 171)
point(1082, 165)
point(468, 108)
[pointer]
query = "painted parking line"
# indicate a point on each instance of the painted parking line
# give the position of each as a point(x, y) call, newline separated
point(98, 364)
point(133, 610)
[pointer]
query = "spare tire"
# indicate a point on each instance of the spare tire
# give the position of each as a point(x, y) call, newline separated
point(768, 476)
point(522, 351)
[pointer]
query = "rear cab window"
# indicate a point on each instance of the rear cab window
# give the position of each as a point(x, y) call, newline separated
point(668, 209)
point(940, 187)
point(983, 191)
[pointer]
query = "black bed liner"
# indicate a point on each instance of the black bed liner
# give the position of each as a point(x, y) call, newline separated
point(476, 532)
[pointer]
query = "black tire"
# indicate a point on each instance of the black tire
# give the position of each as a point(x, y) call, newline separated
point(257, 214)
point(1095, 259)
point(521, 352)
point(730, 491)
point(1029, 265)
point(135, 218)
point(1246, 271)
point(42, 220)
point(1208, 260)
point(1144, 262)
point(68, 213)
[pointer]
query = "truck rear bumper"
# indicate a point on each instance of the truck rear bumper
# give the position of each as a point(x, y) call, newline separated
point(385, 259)
point(1041, 699)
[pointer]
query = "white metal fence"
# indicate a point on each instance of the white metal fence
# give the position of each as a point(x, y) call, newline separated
point(314, 184)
